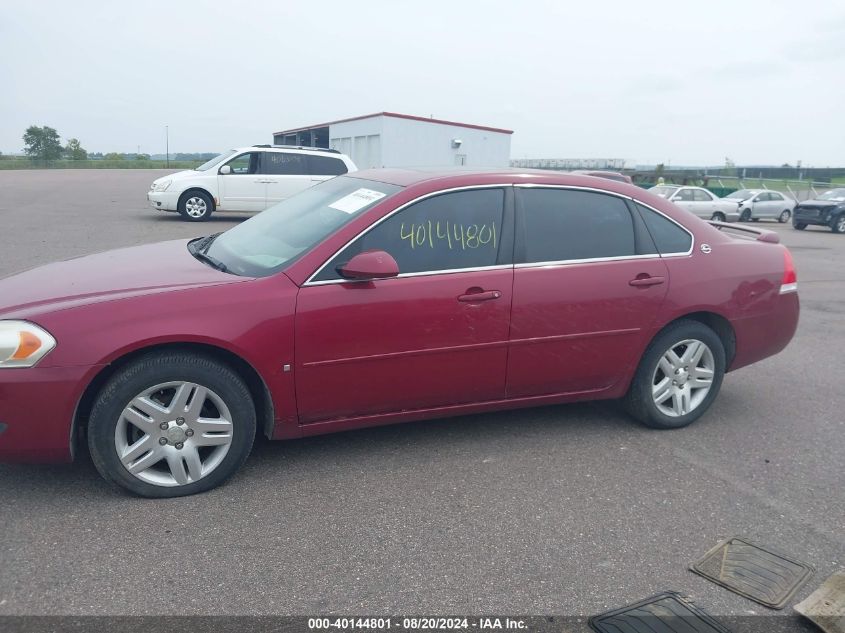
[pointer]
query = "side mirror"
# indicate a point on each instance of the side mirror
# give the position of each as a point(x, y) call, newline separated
point(369, 265)
point(225, 169)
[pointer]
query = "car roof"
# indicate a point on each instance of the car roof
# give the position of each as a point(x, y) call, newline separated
point(294, 149)
point(593, 172)
point(457, 177)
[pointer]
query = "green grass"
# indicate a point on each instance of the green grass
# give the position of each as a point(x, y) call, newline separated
point(24, 163)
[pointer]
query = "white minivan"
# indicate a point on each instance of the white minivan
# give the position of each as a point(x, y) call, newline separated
point(246, 179)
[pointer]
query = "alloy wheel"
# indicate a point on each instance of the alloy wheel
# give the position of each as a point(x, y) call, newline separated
point(195, 207)
point(173, 434)
point(683, 377)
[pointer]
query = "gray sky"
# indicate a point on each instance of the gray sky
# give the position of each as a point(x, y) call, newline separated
point(759, 81)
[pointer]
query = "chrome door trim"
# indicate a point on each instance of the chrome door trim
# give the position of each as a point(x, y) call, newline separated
point(426, 273)
point(589, 260)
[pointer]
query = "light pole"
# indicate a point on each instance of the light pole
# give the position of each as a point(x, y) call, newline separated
point(167, 144)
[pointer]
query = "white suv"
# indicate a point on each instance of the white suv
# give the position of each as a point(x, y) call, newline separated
point(246, 179)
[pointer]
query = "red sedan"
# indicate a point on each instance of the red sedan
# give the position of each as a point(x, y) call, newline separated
point(378, 297)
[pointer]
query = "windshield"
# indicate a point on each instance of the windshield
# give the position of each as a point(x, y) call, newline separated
point(274, 238)
point(742, 194)
point(663, 192)
point(834, 194)
point(214, 161)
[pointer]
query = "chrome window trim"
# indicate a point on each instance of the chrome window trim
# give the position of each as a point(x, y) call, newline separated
point(310, 282)
point(428, 273)
point(590, 260)
point(547, 264)
point(625, 197)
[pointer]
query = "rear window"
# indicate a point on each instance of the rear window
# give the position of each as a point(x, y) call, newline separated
point(669, 237)
point(325, 166)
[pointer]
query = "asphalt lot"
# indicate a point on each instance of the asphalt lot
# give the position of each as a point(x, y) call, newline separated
point(568, 510)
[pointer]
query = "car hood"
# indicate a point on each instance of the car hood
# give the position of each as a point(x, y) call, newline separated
point(179, 175)
point(117, 274)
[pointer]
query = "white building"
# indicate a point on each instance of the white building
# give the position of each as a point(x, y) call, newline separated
point(388, 139)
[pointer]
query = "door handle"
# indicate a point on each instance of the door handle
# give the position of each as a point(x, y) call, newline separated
point(480, 295)
point(644, 279)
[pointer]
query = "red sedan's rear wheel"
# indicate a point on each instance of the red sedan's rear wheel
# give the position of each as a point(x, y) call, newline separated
point(171, 424)
point(678, 377)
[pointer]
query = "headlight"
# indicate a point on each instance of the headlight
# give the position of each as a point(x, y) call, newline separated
point(23, 344)
point(161, 186)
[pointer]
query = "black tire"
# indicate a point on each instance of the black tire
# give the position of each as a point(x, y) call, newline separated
point(195, 206)
point(784, 216)
point(718, 216)
point(639, 402)
point(745, 216)
point(838, 224)
point(149, 371)
point(799, 225)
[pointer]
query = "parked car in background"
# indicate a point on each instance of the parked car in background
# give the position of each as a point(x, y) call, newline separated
point(757, 204)
point(378, 297)
point(826, 210)
point(610, 175)
point(699, 201)
point(246, 179)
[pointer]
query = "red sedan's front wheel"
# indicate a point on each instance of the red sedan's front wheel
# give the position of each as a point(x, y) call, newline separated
point(678, 377)
point(171, 424)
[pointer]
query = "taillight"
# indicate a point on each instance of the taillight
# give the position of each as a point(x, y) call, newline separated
point(789, 283)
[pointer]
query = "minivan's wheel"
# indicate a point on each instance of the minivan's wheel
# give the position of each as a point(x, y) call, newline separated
point(718, 216)
point(678, 377)
point(171, 424)
point(195, 206)
point(784, 217)
point(839, 224)
point(800, 226)
point(745, 216)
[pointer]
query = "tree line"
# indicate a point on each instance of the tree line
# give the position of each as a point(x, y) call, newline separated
point(42, 143)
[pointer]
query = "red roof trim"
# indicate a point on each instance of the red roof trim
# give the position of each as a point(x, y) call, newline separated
point(398, 116)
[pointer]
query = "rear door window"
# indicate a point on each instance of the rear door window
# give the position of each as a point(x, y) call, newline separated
point(556, 225)
point(284, 164)
point(685, 195)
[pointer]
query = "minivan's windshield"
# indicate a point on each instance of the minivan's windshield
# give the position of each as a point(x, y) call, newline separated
point(272, 239)
point(214, 161)
point(834, 194)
